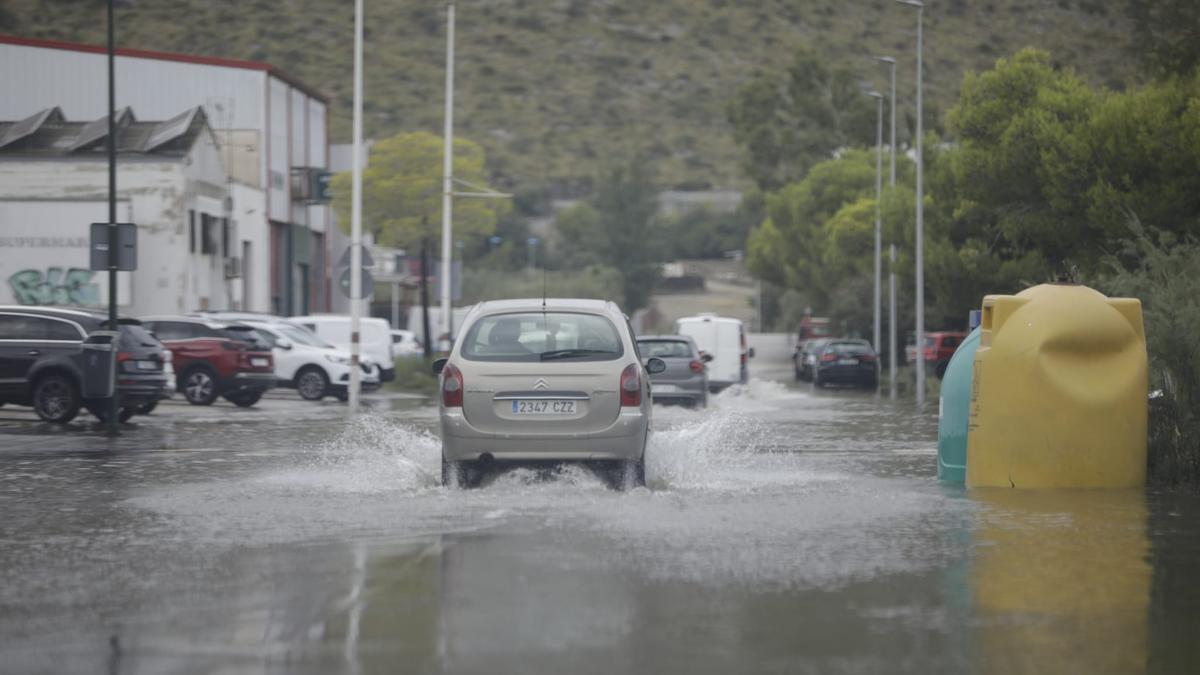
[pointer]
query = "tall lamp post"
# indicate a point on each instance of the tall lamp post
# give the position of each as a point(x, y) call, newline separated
point(356, 215)
point(892, 247)
point(113, 412)
point(876, 303)
point(919, 254)
point(447, 173)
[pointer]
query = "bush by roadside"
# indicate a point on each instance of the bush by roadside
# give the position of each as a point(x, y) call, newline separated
point(414, 375)
point(1166, 278)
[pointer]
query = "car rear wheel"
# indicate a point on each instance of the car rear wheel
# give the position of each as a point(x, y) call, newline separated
point(454, 474)
point(56, 399)
point(199, 386)
point(311, 383)
point(244, 399)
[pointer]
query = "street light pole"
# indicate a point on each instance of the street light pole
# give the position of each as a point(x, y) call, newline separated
point(113, 422)
point(892, 247)
point(919, 253)
point(877, 301)
point(447, 172)
point(356, 216)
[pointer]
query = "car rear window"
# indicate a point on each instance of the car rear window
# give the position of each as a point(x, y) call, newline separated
point(665, 349)
point(134, 336)
point(247, 335)
point(542, 336)
point(849, 348)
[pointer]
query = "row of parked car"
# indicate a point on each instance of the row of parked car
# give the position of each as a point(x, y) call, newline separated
point(203, 357)
point(706, 354)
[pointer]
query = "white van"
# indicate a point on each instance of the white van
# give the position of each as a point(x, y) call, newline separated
point(375, 338)
point(725, 339)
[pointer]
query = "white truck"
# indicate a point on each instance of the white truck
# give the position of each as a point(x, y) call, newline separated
point(724, 339)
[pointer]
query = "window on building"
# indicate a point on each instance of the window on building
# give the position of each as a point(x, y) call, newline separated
point(208, 234)
point(191, 231)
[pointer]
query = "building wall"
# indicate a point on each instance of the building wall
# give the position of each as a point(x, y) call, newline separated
point(62, 196)
point(272, 125)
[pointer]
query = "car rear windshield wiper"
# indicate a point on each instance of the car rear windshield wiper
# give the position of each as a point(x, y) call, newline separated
point(570, 353)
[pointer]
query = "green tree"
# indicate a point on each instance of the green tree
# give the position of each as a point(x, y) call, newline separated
point(402, 191)
point(787, 122)
point(616, 228)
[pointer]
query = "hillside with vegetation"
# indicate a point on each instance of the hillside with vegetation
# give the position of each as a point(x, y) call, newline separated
point(552, 88)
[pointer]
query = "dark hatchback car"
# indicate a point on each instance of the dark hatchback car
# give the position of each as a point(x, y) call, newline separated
point(850, 362)
point(216, 358)
point(41, 362)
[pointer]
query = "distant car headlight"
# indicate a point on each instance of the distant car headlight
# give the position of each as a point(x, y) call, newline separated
point(340, 360)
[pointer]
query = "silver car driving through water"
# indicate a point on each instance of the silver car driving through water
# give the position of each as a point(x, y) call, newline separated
point(543, 382)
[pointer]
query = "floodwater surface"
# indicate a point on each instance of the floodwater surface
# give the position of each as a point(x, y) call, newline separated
point(783, 530)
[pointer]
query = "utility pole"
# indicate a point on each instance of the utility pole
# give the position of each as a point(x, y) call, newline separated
point(356, 290)
point(892, 248)
point(877, 301)
point(919, 253)
point(113, 248)
point(448, 175)
point(426, 343)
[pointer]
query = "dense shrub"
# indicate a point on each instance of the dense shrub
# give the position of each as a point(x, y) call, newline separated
point(1166, 278)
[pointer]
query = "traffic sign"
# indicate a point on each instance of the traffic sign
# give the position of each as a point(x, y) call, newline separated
point(126, 247)
point(368, 284)
point(367, 260)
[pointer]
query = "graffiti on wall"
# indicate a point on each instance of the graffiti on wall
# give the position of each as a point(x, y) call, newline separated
point(55, 286)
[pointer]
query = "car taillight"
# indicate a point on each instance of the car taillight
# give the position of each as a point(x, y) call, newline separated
point(124, 356)
point(452, 387)
point(631, 385)
point(866, 357)
point(829, 357)
point(696, 367)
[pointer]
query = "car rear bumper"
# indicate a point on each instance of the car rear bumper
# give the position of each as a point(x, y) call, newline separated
point(624, 439)
point(250, 381)
point(141, 388)
point(852, 375)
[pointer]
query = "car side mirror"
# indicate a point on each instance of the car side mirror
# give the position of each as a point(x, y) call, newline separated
point(750, 352)
point(438, 365)
point(655, 365)
point(283, 343)
point(705, 357)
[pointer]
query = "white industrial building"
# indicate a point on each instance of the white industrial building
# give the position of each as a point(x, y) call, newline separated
point(271, 135)
point(54, 183)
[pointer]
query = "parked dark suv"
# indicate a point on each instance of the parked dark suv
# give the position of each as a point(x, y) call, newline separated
point(41, 362)
point(215, 358)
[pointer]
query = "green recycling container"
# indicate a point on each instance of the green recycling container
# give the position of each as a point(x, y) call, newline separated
point(954, 408)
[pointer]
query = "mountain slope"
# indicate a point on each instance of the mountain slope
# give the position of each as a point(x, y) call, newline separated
point(552, 87)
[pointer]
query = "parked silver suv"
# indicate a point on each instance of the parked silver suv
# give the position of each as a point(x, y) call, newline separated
point(545, 381)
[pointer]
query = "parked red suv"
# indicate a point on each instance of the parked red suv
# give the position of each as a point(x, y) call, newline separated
point(215, 358)
point(939, 347)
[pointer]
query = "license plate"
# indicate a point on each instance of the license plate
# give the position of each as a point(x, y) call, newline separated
point(543, 407)
point(147, 365)
point(663, 388)
point(259, 362)
point(848, 362)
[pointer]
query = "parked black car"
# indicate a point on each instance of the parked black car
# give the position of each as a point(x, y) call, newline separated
point(41, 362)
point(846, 362)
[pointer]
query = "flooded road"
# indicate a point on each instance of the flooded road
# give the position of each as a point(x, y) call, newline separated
point(784, 530)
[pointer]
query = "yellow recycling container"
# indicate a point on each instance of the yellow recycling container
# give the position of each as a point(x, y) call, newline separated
point(1059, 391)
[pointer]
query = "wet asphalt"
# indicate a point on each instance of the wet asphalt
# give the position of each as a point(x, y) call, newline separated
point(783, 530)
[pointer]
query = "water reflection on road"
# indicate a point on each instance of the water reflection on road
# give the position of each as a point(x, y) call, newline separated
point(783, 530)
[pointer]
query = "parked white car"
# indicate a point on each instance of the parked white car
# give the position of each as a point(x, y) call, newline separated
point(311, 366)
point(724, 339)
point(405, 343)
point(375, 338)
